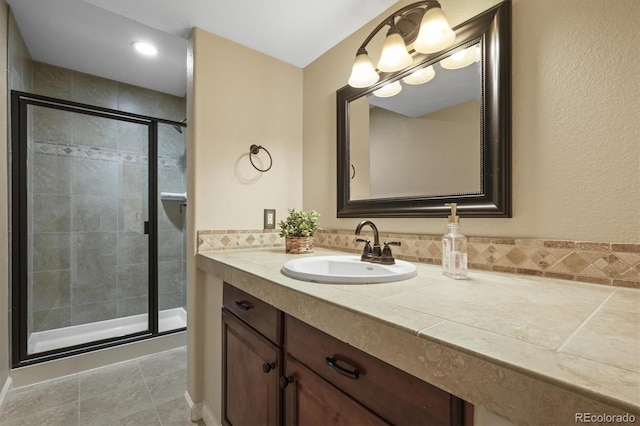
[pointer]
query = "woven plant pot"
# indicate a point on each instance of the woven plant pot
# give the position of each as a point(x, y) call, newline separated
point(299, 245)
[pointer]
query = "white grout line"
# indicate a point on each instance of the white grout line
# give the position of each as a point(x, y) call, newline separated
point(431, 326)
point(584, 323)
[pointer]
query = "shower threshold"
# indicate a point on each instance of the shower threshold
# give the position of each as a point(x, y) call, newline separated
point(41, 341)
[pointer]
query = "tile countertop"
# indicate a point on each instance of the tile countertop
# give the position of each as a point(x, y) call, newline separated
point(493, 333)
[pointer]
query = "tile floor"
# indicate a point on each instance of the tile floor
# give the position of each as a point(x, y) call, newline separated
point(147, 391)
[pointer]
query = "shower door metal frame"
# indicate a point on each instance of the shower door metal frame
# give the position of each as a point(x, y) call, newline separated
point(19, 275)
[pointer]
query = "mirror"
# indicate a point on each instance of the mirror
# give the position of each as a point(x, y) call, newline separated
point(404, 137)
point(445, 137)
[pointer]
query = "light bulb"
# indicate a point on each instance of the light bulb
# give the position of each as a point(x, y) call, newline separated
point(435, 32)
point(459, 59)
point(420, 76)
point(388, 90)
point(394, 56)
point(144, 48)
point(363, 74)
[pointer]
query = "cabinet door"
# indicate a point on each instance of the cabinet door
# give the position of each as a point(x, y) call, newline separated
point(310, 400)
point(251, 370)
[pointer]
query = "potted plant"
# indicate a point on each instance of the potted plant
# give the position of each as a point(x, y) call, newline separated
point(298, 229)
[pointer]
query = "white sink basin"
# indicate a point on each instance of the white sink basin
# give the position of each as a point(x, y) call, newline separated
point(346, 270)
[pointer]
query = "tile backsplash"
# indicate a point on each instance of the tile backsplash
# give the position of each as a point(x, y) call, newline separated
point(238, 239)
point(599, 263)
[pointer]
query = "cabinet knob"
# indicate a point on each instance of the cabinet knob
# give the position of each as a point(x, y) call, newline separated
point(284, 381)
point(268, 366)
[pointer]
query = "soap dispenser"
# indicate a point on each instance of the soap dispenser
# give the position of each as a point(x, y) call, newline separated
point(454, 248)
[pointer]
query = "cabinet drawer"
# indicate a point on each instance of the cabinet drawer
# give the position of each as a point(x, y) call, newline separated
point(260, 315)
point(392, 394)
point(311, 400)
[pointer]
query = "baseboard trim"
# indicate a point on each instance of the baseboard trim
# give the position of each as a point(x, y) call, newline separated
point(200, 411)
point(208, 417)
point(5, 391)
point(195, 410)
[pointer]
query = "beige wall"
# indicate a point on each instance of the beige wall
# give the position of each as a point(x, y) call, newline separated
point(236, 97)
point(576, 132)
point(4, 209)
point(242, 98)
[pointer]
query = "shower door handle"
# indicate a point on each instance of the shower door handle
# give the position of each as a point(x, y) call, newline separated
point(146, 227)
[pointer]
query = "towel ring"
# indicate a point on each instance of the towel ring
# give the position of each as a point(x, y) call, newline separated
point(254, 150)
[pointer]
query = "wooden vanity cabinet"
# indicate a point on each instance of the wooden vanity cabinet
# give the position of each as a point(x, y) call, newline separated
point(316, 362)
point(251, 360)
point(277, 370)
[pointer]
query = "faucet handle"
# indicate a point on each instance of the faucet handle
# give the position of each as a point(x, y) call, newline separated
point(386, 257)
point(367, 252)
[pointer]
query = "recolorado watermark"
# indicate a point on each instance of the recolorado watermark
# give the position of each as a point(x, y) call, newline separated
point(604, 418)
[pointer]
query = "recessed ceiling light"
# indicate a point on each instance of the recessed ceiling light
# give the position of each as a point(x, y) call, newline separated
point(144, 48)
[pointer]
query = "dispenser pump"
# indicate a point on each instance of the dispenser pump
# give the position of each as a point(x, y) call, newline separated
point(453, 217)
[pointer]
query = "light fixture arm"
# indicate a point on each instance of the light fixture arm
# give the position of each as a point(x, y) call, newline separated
point(390, 20)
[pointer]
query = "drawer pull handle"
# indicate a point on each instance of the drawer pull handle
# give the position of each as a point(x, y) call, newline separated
point(268, 366)
point(245, 306)
point(333, 363)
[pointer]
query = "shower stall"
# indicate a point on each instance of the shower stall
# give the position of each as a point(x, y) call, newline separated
point(98, 223)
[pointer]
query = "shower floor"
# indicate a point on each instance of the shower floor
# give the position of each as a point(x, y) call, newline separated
point(169, 319)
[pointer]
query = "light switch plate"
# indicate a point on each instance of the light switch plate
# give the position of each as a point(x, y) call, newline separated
point(269, 218)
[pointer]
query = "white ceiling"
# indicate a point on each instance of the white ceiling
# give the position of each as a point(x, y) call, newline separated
point(448, 88)
point(95, 36)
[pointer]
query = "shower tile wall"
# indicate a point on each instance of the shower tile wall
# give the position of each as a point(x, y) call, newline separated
point(19, 61)
point(90, 179)
point(19, 72)
point(171, 219)
point(80, 178)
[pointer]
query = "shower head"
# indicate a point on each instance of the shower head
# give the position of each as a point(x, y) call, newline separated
point(179, 128)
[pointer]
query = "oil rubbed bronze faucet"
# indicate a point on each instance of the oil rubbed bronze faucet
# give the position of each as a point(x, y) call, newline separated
point(375, 254)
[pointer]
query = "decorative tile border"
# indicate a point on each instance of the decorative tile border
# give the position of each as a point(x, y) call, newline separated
point(598, 263)
point(238, 239)
point(103, 154)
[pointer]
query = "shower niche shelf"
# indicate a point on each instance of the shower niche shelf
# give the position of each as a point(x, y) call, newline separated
point(174, 196)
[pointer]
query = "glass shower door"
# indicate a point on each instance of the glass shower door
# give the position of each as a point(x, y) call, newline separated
point(85, 223)
point(172, 214)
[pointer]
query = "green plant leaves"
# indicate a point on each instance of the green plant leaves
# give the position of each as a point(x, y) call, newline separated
point(299, 224)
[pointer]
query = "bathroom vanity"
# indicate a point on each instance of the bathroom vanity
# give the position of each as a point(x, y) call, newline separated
point(277, 369)
point(495, 347)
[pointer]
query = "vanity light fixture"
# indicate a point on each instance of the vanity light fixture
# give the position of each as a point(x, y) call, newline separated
point(394, 56)
point(145, 48)
point(422, 23)
point(461, 59)
point(388, 90)
point(420, 76)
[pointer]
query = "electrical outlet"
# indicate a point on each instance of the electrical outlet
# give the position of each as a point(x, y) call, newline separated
point(269, 218)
